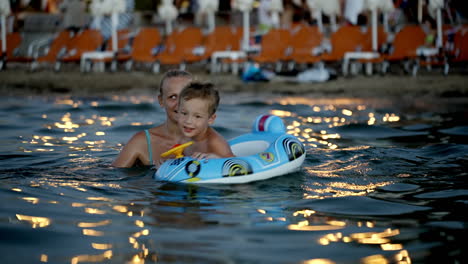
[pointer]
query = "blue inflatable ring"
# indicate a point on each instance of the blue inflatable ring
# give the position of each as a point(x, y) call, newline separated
point(267, 152)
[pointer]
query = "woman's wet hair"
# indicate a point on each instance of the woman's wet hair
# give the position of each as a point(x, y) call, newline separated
point(174, 73)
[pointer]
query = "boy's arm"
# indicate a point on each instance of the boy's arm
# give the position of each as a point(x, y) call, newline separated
point(220, 147)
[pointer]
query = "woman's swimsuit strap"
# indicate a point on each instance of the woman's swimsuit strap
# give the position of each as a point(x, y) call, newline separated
point(148, 141)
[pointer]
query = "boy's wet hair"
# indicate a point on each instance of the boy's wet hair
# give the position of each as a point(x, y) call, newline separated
point(202, 90)
point(174, 73)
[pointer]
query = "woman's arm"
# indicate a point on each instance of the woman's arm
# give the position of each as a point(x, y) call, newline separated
point(133, 152)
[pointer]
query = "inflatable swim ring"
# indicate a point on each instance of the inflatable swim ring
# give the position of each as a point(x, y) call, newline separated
point(267, 152)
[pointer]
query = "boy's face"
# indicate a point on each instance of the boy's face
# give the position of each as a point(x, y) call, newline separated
point(170, 95)
point(194, 117)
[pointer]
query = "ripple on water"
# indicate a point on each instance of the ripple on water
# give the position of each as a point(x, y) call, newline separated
point(360, 131)
point(457, 131)
point(361, 205)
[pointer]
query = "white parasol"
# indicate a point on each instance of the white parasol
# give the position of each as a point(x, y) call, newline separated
point(331, 8)
point(209, 7)
point(245, 6)
point(98, 10)
point(276, 7)
point(384, 6)
point(118, 6)
point(5, 10)
point(435, 9)
point(168, 13)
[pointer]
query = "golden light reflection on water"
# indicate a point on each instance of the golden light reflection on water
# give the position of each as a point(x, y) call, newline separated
point(92, 258)
point(382, 238)
point(330, 113)
point(70, 123)
point(95, 224)
point(35, 221)
point(318, 261)
point(341, 189)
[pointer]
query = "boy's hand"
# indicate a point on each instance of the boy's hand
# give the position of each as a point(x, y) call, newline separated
point(204, 156)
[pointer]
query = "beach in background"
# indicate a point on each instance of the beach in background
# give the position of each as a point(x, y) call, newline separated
point(20, 81)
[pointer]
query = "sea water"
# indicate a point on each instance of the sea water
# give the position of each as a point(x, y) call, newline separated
point(384, 181)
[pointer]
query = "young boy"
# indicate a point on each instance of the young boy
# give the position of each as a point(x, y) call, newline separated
point(197, 111)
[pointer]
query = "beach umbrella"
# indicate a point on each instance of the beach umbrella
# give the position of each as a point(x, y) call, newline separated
point(209, 7)
point(97, 11)
point(116, 7)
point(435, 10)
point(275, 8)
point(5, 10)
point(374, 6)
point(352, 9)
point(245, 6)
point(420, 10)
point(99, 8)
point(168, 13)
point(331, 8)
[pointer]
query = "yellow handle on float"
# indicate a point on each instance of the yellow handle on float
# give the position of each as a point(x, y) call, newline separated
point(177, 150)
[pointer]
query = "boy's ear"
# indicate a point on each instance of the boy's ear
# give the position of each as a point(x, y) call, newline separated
point(212, 119)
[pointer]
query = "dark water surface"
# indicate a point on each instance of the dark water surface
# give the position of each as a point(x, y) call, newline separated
point(385, 181)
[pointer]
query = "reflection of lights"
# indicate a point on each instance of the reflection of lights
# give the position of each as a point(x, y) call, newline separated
point(317, 261)
point(67, 102)
point(100, 133)
point(36, 221)
point(98, 199)
point(304, 212)
point(336, 223)
point(391, 118)
point(375, 238)
point(403, 257)
point(44, 258)
point(261, 211)
point(43, 150)
point(281, 113)
point(96, 224)
point(16, 189)
point(347, 112)
point(341, 189)
point(32, 200)
point(303, 227)
point(101, 246)
point(391, 247)
point(371, 119)
point(137, 259)
point(92, 232)
point(70, 139)
point(94, 211)
point(374, 259)
point(120, 208)
point(92, 258)
point(139, 223)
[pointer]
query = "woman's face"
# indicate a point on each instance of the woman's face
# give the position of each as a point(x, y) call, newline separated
point(170, 95)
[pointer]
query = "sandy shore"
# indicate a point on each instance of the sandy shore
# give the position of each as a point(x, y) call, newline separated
point(22, 82)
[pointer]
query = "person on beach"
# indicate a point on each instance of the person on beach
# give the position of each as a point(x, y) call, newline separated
point(145, 147)
point(197, 111)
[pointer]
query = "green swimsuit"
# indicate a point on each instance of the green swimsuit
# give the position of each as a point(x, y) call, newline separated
point(150, 151)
